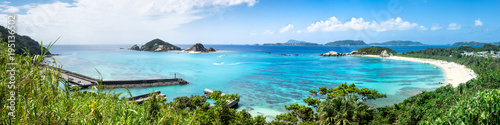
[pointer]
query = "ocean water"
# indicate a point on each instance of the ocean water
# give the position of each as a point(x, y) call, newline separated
point(265, 82)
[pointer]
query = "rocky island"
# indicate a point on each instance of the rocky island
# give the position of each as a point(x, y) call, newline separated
point(156, 45)
point(198, 47)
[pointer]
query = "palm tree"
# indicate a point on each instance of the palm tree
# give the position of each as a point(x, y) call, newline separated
point(344, 110)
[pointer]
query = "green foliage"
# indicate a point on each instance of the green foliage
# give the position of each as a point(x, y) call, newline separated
point(482, 108)
point(468, 103)
point(24, 45)
point(343, 105)
point(465, 48)
point(345, 110)
point(302, 112)
point(376, 50)
point(489, 47)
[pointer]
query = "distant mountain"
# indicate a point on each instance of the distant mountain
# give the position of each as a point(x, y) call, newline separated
point(24, 44)
point(292, 43)
point(472, 43)
point(398, 43)
point(347, 43)
point(496, 43)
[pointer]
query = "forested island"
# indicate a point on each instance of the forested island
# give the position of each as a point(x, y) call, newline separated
point(292, 43)
point(398, 43)
point(156, 45)
point(473, 43)
point(347, 43)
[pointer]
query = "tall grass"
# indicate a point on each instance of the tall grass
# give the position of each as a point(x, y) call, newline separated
point(41, 100)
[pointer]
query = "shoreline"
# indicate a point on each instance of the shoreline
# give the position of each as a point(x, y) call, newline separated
point(454, 73)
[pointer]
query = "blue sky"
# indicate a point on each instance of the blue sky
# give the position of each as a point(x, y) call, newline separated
point(256, 21)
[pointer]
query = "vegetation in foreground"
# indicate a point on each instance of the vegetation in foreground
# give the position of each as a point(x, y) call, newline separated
point(475, 102)
point(40, 100)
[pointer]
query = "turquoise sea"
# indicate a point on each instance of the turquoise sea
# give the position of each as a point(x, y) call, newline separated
point(265, 82)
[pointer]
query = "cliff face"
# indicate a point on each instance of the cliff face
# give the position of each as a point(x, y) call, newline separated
point(156, 45)
point(384, 54)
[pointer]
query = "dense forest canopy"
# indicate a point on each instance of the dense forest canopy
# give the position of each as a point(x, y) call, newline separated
point(376, 50)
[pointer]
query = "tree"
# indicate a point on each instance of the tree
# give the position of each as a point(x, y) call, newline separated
point(345, 110)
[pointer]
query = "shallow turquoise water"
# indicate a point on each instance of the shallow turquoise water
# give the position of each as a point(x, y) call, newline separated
point(266, 82)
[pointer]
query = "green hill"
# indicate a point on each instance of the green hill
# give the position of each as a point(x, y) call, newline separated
point(24, 44)
point(376, 50)
point(347, 43)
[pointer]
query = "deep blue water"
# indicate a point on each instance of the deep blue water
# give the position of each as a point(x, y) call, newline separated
point(265, 82)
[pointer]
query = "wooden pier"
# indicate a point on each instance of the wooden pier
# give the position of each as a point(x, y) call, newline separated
point(231, 103)
point(141, 98)
point(83, 81)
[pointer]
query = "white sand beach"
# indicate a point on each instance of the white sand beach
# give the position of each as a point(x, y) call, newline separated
point(454, 73)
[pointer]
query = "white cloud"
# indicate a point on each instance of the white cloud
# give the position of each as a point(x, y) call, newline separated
point(10, 9)
point(252, 34)
point(268, 32)
point(454, 26)
point(436, 27)
point(478, 22)
point(333, 24)
point(114, 21)
point(422, 28)
point(288, 27)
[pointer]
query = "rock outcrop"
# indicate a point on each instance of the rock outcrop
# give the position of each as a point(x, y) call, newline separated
point(198, 47)
point(331, 53)
point(135, 47)
point(211, 49)
point(384, 54)
point(156, 45)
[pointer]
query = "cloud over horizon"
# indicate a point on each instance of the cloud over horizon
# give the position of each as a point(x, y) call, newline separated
point(98, 21)
point(454, 26)
point(288, 27)
point(333, 24)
